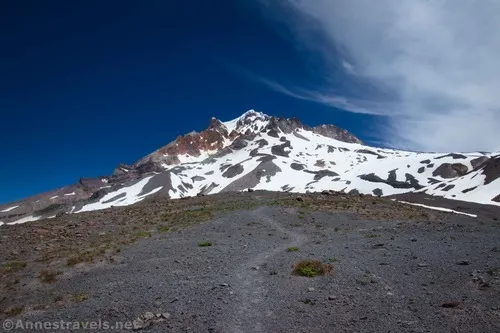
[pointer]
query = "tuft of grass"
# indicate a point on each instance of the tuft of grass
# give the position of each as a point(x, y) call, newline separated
point(80, 257)
point(142, 234)
point(334, 259)
point(14, 266)
point(14, 311)
point(204, 244)
point(48, 276)
point(163, 228)
point(78, 298)
point(311, 268)
point(292, 249)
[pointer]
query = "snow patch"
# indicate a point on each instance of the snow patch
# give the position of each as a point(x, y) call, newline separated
point(437, 208)
point(25, 219)
point(8, 209)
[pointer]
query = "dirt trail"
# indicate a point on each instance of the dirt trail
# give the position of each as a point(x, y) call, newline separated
point(251, 282)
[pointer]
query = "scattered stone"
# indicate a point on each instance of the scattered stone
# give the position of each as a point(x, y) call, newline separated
point(224, 285)
point(453, 304)
point(332, 298)
point(422, 265)
point(255, 268)
point(299, 198)
point(166, 315)
point(462, 263)
point(310, 289)
point(148, 316)
point(250, 190)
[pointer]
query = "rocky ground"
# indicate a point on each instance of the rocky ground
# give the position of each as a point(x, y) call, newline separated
point(224, 263)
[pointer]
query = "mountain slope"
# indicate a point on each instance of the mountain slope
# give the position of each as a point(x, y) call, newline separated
point(256, 151)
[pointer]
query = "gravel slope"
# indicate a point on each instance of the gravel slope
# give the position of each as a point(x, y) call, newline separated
point(388, 276)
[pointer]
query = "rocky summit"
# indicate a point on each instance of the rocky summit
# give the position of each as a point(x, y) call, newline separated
point(261, 152)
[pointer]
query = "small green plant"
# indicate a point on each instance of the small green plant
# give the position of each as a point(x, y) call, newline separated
point(334, 259)
point(204, 244)
point(48, 276)
point(80, 257)
point(311, 268)
point(14, 266)
point(14, 311)
point(142, 234)
point(78, 298)
point(292, 249)
point(163, 228)
point(361, 282)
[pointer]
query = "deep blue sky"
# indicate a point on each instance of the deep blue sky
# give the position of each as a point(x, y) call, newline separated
point(85, 85)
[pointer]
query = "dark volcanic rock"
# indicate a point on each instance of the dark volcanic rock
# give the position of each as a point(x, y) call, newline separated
point(391, 180)
point(233, 171)
point(98, 194)
point(279, 150)
point(478, 162)
point(207, 189)
point(469, 189)
point(378, 192)
point(366, 151)
point(334, 132)
point(297, 166)
point(239, 144)
point(448, 187)
point(320, 163)
point(452, 155)
point(324, 173)
point(447, 170)
point(253, 178)
point(421, 170)
point(491, 169)
point(433, 181)
point(496, 199)
point(197, 178)
point(116, 197)
point(425, 161)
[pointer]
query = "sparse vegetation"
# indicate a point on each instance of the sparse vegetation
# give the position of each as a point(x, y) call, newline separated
point(334, 259)
point(77, 298)
point(292, 249)
point(204, 244)
point(142, 234)
point(48, 276)
point(14, 311)
point(87, 257)
point(13, 266)
point(311, 268)
point(163, 228)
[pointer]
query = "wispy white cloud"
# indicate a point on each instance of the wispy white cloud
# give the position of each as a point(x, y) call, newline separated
point(438, 59)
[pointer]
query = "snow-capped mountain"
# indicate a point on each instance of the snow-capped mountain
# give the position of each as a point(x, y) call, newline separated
point(257, 151)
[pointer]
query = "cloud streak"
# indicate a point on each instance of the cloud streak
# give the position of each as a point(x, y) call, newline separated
point(438, 60)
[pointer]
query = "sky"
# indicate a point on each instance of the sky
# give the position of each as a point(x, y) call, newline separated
point(86, 85)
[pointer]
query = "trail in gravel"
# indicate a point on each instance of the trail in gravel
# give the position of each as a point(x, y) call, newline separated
point(250, 281)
